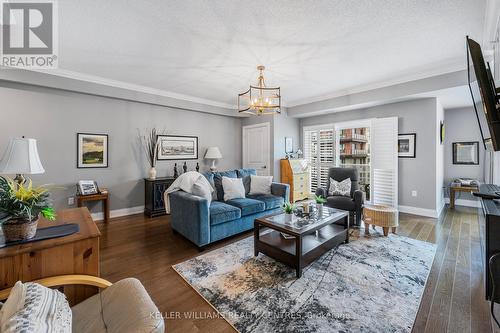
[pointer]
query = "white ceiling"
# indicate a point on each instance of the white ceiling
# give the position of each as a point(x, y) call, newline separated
point(312, 49)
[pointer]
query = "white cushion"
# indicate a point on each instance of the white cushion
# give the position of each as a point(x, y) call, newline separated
point(342, 188)
point(32, 307)
point(260, 184)
point(233, 188)
point(202, 188)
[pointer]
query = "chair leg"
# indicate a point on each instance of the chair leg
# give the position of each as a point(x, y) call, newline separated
point(386, 231)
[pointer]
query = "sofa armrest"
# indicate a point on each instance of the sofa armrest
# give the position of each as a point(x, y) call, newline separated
point(281, 190)
point(190, 217)
point(321, 192)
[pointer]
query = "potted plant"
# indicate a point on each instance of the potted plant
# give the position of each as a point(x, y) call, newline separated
point(20, 207)
point(320, 200)
point(149, 143)
point(288, 208)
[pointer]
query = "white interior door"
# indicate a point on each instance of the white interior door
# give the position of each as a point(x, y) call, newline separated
point(257, 148)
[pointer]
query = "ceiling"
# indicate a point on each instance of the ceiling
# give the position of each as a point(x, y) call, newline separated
point(312, 49)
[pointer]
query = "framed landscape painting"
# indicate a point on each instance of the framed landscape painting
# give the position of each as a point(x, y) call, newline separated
point(407, 145)
point(92, 150)
point(176, 147)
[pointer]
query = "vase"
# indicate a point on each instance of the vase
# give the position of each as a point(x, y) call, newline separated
point(18, 230)
point(152, 173)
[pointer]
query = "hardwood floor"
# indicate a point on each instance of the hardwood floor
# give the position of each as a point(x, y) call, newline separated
point(453, 300)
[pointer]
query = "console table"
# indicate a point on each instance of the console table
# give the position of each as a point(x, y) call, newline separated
point(104, 197)
point(74, 254)
point(454, 189)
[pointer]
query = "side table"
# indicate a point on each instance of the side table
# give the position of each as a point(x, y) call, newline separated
point(454, 189)
point(104, 197)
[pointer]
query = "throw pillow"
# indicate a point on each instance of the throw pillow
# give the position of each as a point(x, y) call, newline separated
point(32, 307)
point(202, 188)
point(260, 184)
point(218, 182)
point(209, 175)
point(342, 188)
point(245, 175)
point(233, 188)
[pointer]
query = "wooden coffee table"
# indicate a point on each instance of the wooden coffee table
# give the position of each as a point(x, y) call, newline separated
point(312, 236)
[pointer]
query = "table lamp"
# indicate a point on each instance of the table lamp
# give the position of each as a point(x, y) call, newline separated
point(21, 157)
point(213, 153)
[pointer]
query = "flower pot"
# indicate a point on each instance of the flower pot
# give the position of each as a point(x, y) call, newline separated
point(152, 173)
point(319, 206)
point(16, 230)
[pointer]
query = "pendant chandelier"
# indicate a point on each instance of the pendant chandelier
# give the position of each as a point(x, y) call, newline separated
point(259, 100)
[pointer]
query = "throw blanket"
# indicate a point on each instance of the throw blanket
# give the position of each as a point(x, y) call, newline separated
point(185, 182)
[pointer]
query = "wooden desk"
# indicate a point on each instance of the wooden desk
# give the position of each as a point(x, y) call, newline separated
point(104, 197)
point(74, 254)
point(454, 189)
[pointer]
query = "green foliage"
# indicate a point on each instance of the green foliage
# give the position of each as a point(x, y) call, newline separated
point(319, 199)
point(23, 201)
point(288, 207)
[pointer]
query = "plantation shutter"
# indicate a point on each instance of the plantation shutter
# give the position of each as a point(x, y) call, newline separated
point(319, 151)
point(384, 161)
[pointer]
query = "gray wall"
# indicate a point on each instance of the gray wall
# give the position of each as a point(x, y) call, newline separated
point(54, 117)
point(418, 116)
point(461, 125)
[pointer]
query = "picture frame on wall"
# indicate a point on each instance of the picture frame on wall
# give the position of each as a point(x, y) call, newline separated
point(177, 147)
point(92, 150)
point(466, 153)
point(407, 145)
point(441, 133)
point(288, 145)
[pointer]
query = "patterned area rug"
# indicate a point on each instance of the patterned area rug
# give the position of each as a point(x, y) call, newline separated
point(372, 284)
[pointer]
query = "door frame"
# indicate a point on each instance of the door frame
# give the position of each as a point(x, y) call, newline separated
point(244, 152)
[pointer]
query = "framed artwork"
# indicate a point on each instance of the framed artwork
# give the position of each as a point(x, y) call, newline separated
point(92, 150)
point(466, 153)
point(288, 145)
point(177, 147)
point(407, 145)
point(87, 187)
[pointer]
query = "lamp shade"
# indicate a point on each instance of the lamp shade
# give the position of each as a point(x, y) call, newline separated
point(213, 153)
point(21, 157)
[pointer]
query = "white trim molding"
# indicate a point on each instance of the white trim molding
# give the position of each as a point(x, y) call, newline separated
point(118, 213)
point(419, 211)
point(465, 202)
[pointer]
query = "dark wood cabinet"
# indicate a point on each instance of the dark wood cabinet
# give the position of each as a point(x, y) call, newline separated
point(153, 200)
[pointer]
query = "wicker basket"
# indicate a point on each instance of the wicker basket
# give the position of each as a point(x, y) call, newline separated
point(16, 230)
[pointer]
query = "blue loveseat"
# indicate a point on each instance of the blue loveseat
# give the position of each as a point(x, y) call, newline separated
point(203, 223)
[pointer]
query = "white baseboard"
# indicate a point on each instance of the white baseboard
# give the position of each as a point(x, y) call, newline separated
point(118, 212)
point(465, 203)
point(419, 211)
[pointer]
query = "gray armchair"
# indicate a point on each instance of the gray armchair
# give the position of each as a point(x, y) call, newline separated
point(354, 203)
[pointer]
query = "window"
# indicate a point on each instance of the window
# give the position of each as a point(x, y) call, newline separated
point(354, 151)
point(344, 147)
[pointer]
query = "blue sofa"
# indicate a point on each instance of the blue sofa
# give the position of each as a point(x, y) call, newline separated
point(203, 223)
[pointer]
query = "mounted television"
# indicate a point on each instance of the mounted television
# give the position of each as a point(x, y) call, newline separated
point(484, 96)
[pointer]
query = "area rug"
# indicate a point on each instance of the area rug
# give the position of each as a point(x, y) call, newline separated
point(372, 284)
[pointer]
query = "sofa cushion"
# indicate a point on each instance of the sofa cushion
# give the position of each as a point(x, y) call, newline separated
point(209, 175)
point(218, 182)
point(248, 206)
point(221, 212)
point(271, 201)
point(245, 174)
point(340, 202)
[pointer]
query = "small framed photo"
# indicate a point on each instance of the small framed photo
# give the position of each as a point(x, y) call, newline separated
point(288, 145)
point(407, 144)
point(87, 187)
point(466, 153)
point(92, 150)
point(177, 147)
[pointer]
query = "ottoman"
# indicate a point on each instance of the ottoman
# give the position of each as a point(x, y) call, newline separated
point(381, 216)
